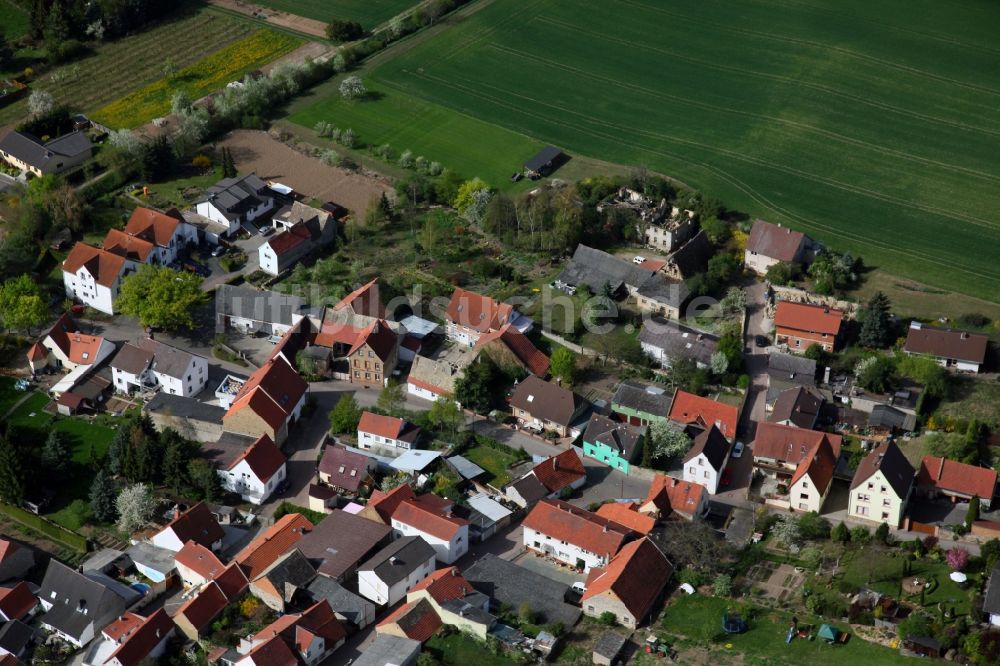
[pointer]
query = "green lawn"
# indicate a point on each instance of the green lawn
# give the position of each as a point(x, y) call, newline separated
point(494, 461)
point(183, 191)
point(840, 120)
point(700, 618)
point(31, 414)
point(14, 20)
point(8, 394)
point(459, 650)
point(368, 13)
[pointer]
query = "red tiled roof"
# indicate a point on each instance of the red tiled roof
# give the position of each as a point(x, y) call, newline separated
point(417, 619)
point(144, 639)
point(388, 426)
point(152, 225)
point(444, 585)
point(385, 504)
point(271, 392)
point(274, 652)
point(806, 317)
point(818, 464)
point(202, 608)
point(199, 559)
point(298, 629)
point(123, 626)
point(378, 337)
point(130, 247)
point(289, 239)
point(334, 332)
point(71, 400)
point(478, 312)
point(232, 581)
point(565, 522)
point(956, 477)
point(8, 548)
point(635, 576)
point(652, 264)
point(197, 524)
point(426, 520)
point(260, 404)
point(364, 301)
point(788, 443)
point(627, 515)
point(104, 266)
point(520, 346)
point(345, 468)
point(773, 241)
point(17, 601)
point(670, 494)
point(263, 457)
point(265, 550)
point(688, 408)
point(37, 352)
point(560, 471)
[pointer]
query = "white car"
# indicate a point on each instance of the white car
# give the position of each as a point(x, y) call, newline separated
point(579, 587)
point(638, 259)
point(738, 450)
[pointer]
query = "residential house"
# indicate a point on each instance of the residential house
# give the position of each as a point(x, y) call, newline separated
point(668, 496)
point(356, 611)
point(667, 341)
point(640, 404)
point(195, 616)
point(798, 458)
point(512, 586)
point(572, 535)
point(251, 468)
point(342, 323)
point(93, 276)
point(433, 378)
point(881, 486)
point(249, 311)
point(457, 603)
point(512, 350)
point(470, 315)
point(168, 232)
point(15, 560)
point(705, 460)
point(269, 403)
point(79, 605)
point(813, 478)
point(797, 406)
point(342, 541)
point(540, 405)
point(613, 443)
point(196, 524)
point(486, 516)
point(669, 235)
point(689, 409)
point(662, 296)
point(801, 325)
point(785, 371)
point(17, 602)
point(278, 584)
point(386, 433)
point(417, 620)
point(310, 637)
point(196, 565)
point(770, 244)
point(627, 514)
point(132, 640)
point(563, 472)
point(235, 202)
point(389, 650)
point(345, 471)
point(608, 648)
point(258, 556)
point(961, 350)
point(29, 153)
point(373, 357)
point(991, 597)
point(155, 563)
point(15, 638)
point(304, 230)
point(152, 365)
point(395, 570)
point(600, 272)
point(448, 535)
point(135, 251)
point(64, 346)
point(630, 584)
point(958, 481)
point(381, 505)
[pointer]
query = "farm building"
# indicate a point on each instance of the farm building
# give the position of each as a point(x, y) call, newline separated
point(547, 160)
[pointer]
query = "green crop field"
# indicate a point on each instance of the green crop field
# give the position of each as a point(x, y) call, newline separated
point(368, 13)
point(871, 126)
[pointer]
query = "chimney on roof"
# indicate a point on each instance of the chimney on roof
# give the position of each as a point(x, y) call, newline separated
point(454, 572)
point(965, 336)
point(392, 560)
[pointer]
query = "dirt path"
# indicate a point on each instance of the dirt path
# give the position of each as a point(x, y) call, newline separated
point(274, 17)
point(270, 159)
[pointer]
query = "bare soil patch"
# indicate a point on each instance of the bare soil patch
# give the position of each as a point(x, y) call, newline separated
point(271, 159)
point(275, 17)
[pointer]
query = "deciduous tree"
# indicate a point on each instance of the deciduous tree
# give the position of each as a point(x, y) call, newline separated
point(666, 440)
point(40, 103)
point(22, 304)
point(563, 365)
point(352, 87)
point(474, 389)
point(446, 415)
point(345, 415)
point(161, 297)
point(392, 398)
point(135, 505)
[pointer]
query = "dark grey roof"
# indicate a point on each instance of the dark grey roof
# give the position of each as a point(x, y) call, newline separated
point(506, 582)
point(259, 305)
point(154, 557)
point(618, 436)
point(890, 417)
point(340, 541)
point(798, 405)
point(189, 408)
point(30, 150)
point(15, 636)
point(638, 397)
point(888, 459)
point(791, 368)
point(399, 559)
point(68, 591)
point(713, 444)
point(291, 571)
point(991, 598)
point(467, 608)
point(692, 257)
point(663, 290)
point(530, 488)
point(226, 449)
point(594, 268)
point(167, 360)
point(70, 145)
point(389, 649)
point(678, 341)
point(343, 602)
point(234, 196)
point(543, 158)
point(609, 644)
point(466, 468)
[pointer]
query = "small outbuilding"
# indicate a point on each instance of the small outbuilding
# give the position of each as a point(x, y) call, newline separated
point(547, 160)
point(608, 647)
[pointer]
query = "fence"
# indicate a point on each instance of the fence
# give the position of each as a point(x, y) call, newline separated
point(46, 527)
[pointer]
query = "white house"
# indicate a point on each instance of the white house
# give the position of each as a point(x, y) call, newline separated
point(471, 315)
point(303, 229)
point(308, 638)
point(233, 202)
point(572, 535)
point(253, 472)
point(67, 594)
point(65, 347)
point(132, 639)
point(952, 348)
point(448, 535)
point(196, 524)
point(168, 232)
point(812, 479)
point(153, 365)
point(386, 432)
point(881, 486)
point(93, 276)
point(386, 577)
point(706, 459)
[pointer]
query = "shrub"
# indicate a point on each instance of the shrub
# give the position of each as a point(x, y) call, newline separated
point(692, 577)
point(957, 558)
point(840, 533)
point(812, 526)
point(722, 586)
point(882, 533)
point(860, 535)
point(201, 161)
point(608, 619)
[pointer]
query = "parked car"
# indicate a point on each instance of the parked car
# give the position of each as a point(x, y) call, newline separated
point(638, 259)
point(579, 587)
point(266, 231)
point(282, 487)
point(761, 341)
point(197, 269)
point(219, 250)
point(738, 449)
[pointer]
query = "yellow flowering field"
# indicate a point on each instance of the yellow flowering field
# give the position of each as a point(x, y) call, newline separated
point(203, 77)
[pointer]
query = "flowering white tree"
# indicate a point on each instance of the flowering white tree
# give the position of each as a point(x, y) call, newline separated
point(666, 440)
point(125, 141)
point(352, 87)
point(40, 103)
point(135, 507)
point(786, 530)
point(719, 363)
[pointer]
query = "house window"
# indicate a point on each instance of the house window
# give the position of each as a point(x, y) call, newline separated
point(885, 515)
point(862, 511)
point(805, 484)
point(871, 485)
point(883, 489)
point(803, 506)
point(804, 496)
point(692, 470)
point(863, 497)
point(701, 461)
point(886, 502)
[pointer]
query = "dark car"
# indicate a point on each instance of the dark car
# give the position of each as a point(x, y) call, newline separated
point(761, 341)
point(219, 250)
point(282, 487)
